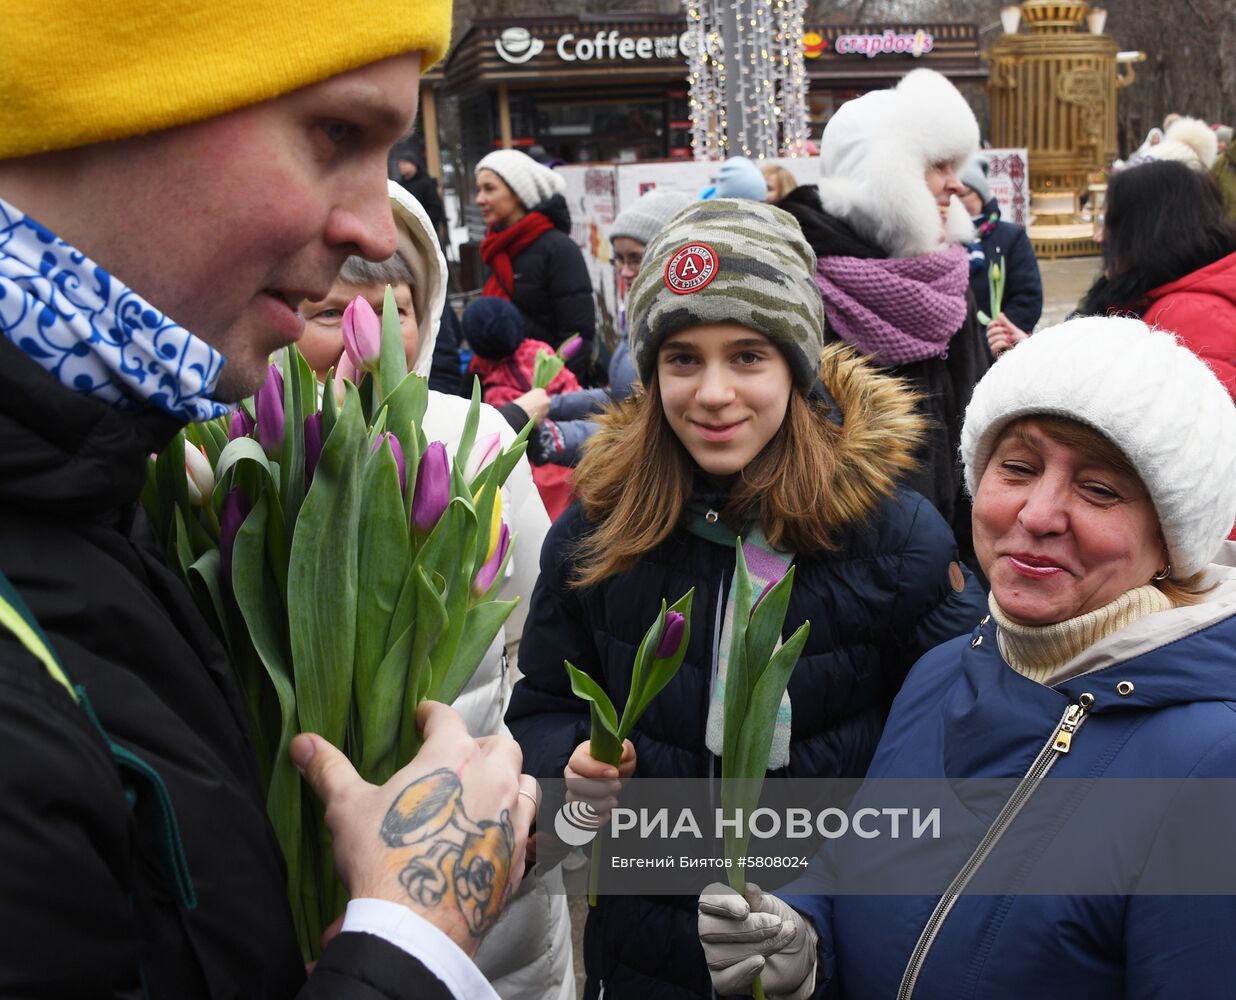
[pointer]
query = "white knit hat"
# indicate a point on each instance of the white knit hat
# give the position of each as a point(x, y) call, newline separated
point(531, 182)
point(649, 214)
point(1150, 396)
point(874, 157)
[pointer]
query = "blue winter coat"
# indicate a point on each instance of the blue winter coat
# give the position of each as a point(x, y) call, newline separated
point(890, 591)
point(1023, 286)
point(963, 712)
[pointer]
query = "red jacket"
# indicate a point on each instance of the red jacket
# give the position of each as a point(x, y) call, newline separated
point(509, 378)
point(506, 380)
point(1200, 309)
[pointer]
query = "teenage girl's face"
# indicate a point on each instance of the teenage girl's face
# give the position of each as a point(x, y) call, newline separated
point(725, 390)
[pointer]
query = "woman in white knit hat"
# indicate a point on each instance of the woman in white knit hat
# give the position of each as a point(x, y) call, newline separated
point(1102, 459)
point(532, 259)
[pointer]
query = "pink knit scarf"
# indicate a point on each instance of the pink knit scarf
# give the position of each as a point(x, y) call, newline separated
point(900, 309)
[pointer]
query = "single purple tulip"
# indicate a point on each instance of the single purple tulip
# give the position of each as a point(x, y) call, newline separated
point(396, 450)
point(362, 335)
point(240, 425)
point(486, 575)
point(313, 445)
point(235, 510)
point(269, 406)
point(570, 347)
point(433, 487)
point(671, 634)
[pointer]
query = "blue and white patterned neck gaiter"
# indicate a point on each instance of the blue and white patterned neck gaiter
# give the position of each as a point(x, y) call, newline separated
point(92, 333)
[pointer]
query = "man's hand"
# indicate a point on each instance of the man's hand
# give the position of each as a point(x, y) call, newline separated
point(756, 935)
point(444, 837)
point(595, 782)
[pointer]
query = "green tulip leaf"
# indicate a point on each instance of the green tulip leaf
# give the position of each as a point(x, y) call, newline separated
point(392, 359)
point(481, 626)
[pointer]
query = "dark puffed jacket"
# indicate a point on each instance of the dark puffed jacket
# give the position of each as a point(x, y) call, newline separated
point(553, 289)
point(878, 601)
point(92, 910)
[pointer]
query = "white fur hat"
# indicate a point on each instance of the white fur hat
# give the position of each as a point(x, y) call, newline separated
point(874, 157)
point(1189, 140)
point(532, 182)
point(1150, 396)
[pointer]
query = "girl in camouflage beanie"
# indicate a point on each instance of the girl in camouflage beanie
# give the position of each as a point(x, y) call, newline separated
point(746, 426)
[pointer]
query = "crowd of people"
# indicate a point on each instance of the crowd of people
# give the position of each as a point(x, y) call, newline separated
point(999, 533)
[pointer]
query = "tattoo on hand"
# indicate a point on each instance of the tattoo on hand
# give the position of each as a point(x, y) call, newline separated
point(469, 864)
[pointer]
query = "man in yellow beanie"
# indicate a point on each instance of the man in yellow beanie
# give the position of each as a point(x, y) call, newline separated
point(175, 179)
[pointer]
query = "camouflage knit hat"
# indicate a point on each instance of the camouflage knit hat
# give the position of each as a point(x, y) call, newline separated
point(729, 261)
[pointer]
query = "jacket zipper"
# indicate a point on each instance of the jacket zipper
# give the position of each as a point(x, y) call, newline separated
point(1058, 745)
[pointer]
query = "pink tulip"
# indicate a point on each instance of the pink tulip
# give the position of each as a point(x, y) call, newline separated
point(570, 347)
point(362, 335)
point(484, 452)
point(396, 450)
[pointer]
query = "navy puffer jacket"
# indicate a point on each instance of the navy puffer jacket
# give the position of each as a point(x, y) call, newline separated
point(889, 591)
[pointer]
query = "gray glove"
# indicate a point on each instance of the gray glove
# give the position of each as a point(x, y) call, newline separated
point(756, 935)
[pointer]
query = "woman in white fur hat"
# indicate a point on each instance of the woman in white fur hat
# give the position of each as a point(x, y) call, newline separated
point(887, 224)
point(1102, 459)
point(532, 259)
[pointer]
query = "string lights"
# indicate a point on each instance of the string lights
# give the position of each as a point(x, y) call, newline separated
point(769, 78)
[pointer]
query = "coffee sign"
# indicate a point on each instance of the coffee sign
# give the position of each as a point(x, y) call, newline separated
point(517, 45)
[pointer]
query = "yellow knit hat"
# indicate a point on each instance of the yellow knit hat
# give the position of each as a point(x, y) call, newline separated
point(78, 73)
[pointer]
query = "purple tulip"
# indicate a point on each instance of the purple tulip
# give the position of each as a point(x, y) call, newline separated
point(313, 445)
point(671, 634)
point(235, 510)
point(570, 347)
point(362, 335)
point(396, 450)
point(433, 487)
point(240, 425)
point(269, 406)
point(486, 575)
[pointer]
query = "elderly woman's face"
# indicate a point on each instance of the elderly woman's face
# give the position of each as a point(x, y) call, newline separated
point(1058, 532)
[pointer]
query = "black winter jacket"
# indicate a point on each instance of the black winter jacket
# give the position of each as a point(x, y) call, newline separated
point(1023, 285)
point(91, 910)
point(886, 595)
point(553, 289)
point(944, 384)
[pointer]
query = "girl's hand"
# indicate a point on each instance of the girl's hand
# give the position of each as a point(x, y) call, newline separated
point(535, 403)
point(1002, 334)
point(596, 782)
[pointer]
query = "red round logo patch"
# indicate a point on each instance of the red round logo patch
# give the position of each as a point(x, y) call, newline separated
point(691, 268)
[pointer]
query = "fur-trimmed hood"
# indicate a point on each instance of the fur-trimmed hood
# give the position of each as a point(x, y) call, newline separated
point(1188, 140)
point(879, 429)
point(874, 157)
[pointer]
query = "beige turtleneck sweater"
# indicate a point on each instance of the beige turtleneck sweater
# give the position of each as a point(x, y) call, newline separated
point(1038, 651)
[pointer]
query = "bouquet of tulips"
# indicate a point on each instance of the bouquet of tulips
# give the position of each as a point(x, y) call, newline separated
point(656, 661)
point(547, 366)
point(348, 564)
point(759, 672)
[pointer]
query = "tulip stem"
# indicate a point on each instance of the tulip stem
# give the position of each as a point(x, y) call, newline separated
point(212, 518)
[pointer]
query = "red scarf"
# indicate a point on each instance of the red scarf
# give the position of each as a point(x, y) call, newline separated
point(500, 247)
